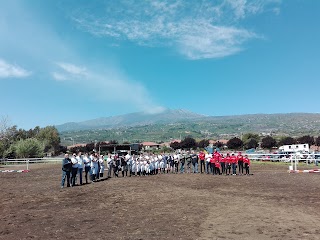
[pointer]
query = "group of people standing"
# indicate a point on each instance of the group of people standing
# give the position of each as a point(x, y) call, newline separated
point(219, 164)
point(93, 165)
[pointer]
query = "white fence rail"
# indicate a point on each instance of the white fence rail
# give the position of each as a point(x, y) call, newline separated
point(308, 158)
point(29, 160)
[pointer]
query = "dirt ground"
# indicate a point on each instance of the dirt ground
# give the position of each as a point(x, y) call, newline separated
point(271, 204)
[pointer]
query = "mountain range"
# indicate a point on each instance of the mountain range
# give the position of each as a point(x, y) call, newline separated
point(173, 124)
point(131, 120)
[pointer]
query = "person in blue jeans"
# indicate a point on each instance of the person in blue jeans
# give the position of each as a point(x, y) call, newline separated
point(87, 166)
point(80, 166)
point(66, 170)
point(74, 169)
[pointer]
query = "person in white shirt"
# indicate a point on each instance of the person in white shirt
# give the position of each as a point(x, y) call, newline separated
point(74, 169)
point(101, 161)
point(147, 168)
point(80, 166)
point(94, 167)
point(142, 169)
point(208, 157)
point(110, 165)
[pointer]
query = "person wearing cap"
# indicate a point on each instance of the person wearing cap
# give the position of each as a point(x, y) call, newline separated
point(240, 163)
point(66, 170)
point(74, 169)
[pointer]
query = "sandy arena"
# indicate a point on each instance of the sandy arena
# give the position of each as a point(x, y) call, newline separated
point(271, 204)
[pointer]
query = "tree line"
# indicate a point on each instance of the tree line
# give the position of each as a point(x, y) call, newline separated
point(32, 143)
point(248, 141)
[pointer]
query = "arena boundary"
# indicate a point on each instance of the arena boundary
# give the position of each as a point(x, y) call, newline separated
point(19, 170)
point(24, 162)
point(293, 168)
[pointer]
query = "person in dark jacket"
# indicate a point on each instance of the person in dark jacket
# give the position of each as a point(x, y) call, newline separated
point(66, 170)
point(195, 160)
point(124, 166)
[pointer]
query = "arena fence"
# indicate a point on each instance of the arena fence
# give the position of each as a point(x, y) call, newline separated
point(25, 163)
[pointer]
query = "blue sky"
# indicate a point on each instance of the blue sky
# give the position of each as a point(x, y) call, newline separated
point(75, 60)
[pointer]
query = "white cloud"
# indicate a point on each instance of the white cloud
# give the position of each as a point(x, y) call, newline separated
point(59, 76)
point(12, 71)
point(72, 69)
point(197, 29)
point(110, 86)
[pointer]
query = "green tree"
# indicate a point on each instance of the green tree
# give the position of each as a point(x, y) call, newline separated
point(317, 141)
point(113, 142)
point(175, 145)
point(268, 142)
point(286, 141)
point(234, 143)
point(306, 139)
point(188, 142)
point(10, 152)
point(251, 143)
point(29, 148)
point(218, 144)
point(50, 137)
point(250, 140)
point(247, 136)
point(203, 143)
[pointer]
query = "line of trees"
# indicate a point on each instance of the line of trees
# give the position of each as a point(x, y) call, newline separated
point(20, 143)
point(248, 141)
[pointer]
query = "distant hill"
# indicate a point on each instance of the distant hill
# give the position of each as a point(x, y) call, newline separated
point(174, 124)
point(131, 120)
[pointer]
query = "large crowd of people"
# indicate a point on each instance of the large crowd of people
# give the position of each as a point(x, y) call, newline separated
point(93, 165)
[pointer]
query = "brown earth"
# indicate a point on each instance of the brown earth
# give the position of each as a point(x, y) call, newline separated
point(271, 204)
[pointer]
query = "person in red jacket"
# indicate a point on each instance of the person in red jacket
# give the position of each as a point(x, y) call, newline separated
point(233, 159)
point(217, 166)
point(216, 160)
point(212, 164)
point(223, 164)
point(246, 161)
point(240, 163)
point(202, 157)
point(228, 164)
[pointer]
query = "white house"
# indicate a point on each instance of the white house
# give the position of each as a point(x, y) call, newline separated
point(294, 148)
